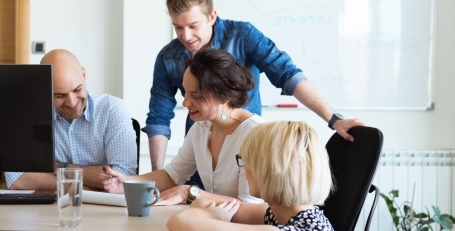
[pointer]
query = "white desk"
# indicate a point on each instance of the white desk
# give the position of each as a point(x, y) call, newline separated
point(94, 217)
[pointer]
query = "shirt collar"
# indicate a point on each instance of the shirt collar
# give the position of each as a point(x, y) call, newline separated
point(219, 33)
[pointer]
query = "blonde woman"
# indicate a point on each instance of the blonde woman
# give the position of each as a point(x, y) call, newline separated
point(287, 166)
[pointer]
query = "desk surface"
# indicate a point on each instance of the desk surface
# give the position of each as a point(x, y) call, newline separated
point(94, 217)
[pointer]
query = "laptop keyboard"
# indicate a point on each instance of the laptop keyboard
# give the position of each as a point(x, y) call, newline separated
point(34, 198)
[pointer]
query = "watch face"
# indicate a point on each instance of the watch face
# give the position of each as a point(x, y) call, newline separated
point(194, 191)
point(339, 116)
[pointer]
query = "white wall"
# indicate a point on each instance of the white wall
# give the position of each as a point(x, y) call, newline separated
point(147, 28)
point(123, 66)
point(92, 30)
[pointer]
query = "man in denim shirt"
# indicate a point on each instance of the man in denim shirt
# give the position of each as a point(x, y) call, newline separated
point(197, 26)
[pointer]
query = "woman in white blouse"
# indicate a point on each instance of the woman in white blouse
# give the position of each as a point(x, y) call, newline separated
point(216, 90)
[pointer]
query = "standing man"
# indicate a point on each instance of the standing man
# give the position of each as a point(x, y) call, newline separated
point(90, 132)
point(197, 26)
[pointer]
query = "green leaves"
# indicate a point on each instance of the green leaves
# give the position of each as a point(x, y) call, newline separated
point(420, 215)
point(394, 193)
point(392, 209)
point(401, 215)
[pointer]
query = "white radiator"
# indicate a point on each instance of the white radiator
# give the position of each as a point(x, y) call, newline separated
point(434, 174)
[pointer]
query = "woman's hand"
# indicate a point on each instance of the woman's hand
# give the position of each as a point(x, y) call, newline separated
point(174, 195)
point(225, 210)
point(113, 180)
point(202, 203)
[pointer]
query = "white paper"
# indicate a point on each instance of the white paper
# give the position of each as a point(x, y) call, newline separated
point(64, 200)
point(103, 198)
point(16, 191)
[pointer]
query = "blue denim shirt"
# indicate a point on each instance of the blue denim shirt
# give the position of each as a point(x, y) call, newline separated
point(248, 46)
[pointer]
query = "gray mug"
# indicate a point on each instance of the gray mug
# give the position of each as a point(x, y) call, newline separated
point(139, 196)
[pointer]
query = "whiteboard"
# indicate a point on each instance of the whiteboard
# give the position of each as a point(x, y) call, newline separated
point(359, 54)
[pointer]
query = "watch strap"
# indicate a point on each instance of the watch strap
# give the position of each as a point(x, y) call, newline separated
point(192, 197)
point(335, 118)
point(62, 165)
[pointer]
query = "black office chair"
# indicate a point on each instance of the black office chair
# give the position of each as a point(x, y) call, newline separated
point(137, 129)
point(353, 167)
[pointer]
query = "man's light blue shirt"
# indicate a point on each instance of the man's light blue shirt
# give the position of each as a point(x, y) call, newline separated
point(248, 46)
point(102, 135)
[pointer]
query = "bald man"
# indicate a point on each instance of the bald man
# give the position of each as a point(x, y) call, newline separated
point(90, 132)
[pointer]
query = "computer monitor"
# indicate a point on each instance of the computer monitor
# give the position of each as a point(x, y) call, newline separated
point(26, 118)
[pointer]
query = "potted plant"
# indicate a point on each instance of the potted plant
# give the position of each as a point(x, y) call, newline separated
point(405, 219)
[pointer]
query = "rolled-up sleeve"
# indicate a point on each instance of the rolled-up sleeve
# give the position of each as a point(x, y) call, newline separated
point(162, 100)
point(183, 166)
point(276, 64)
point(11, 177)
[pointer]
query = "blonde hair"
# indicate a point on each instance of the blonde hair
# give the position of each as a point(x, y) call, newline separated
point(289, 162)
point(177, 7)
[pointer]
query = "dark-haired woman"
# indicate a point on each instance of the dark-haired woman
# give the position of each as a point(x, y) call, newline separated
point(216, 89)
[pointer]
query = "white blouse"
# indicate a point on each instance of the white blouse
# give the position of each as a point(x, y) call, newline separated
point(228, 178)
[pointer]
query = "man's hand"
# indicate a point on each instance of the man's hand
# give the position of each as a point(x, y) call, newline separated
point(113, 182)
point(343, 126)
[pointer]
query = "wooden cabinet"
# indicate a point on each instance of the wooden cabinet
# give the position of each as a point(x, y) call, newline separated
point(14, 31)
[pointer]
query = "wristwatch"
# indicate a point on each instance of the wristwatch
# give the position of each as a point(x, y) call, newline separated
point(62, 165)
point(193, 193)
point(335, 118)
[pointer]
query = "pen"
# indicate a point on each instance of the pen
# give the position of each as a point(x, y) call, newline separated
point(105, 172)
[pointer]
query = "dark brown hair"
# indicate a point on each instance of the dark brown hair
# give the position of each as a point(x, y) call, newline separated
point(220, 77)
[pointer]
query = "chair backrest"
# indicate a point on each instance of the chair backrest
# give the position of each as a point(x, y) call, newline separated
point(353, 167)
point(137, 129)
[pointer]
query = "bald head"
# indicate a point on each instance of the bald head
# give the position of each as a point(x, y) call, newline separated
point(70, 94)
point(64, 64)
point(58, 56)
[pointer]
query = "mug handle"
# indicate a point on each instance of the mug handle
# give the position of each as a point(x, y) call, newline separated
point(157, 198)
